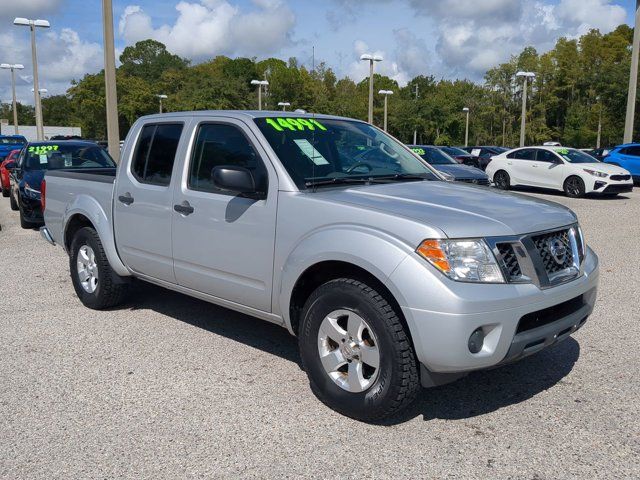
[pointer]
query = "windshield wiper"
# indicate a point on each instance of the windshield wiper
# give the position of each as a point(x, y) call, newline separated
point(339, 181)
point(400, 176)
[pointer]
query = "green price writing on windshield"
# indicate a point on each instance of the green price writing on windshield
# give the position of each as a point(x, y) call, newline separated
point(562, 151)
point(294, 124)
point(40, 149)
point(419, 151)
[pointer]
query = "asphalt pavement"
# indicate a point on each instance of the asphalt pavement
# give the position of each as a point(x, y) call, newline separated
point(172, 387)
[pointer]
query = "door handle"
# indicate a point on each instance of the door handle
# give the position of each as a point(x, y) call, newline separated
point(184, 208)
point(509, 163)
point(127, 199)
point(534, 166)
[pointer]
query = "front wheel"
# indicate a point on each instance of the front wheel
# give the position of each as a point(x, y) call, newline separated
point(24, 223)
point(12, 202)
point(356, 352)
point(502, 180)
point(5, 192)
point(96, 284)
point(574, 187)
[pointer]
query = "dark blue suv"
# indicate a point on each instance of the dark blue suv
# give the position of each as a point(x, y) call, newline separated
point(628, 157)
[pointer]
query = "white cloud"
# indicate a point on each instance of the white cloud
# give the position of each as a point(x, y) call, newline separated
point(211, 27)
point(28, 8)
point(359, 69)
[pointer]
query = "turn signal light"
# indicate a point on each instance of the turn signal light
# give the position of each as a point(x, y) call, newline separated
point(432, 251)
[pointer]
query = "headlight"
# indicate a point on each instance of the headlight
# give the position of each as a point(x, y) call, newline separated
point(31, 191)
point(596, 173)
point(462, 260)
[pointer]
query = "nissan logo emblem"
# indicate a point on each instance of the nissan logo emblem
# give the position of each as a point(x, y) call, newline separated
point(558, 250)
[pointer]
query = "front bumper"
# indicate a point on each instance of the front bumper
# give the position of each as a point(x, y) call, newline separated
point(607, 187)
point(31, 209)
point(442, 317)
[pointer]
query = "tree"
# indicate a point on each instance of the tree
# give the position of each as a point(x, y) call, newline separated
point(148, 59)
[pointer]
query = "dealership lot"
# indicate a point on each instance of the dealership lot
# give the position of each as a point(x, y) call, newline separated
point(171, 387)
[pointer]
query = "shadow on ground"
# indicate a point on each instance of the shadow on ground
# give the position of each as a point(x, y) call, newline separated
point(477, 394)
point(558, 193)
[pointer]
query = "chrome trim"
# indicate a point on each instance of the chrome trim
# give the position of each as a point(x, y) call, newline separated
point(44, 233)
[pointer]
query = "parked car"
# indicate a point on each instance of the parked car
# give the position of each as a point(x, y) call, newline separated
point(37, 158)
point(558, 168)
point(484, 154)
point(626, 156)
point(5, 165)
point(599, 153)
point(462, 156)
point(8, 143)
point(390, 278)
point(444, 163)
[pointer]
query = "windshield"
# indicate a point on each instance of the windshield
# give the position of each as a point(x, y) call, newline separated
point(331, 151)
point(12, 141)
point(454, 151)
point(575, 156)
point(53, 156)
point(434, 156)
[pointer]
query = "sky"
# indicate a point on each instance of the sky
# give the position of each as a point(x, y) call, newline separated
point(444, 38)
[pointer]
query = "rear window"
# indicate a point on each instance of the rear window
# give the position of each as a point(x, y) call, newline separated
point(156, 152)
point(55, 156)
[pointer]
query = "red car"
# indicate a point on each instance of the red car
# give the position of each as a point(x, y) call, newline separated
point(4, 173)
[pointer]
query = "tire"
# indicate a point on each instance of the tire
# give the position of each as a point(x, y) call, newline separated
point(13, 203)
point(5, 192)
point(502, 180)
point(108, 289)
point(387, 390)
point(24, 223)
point(574, 187)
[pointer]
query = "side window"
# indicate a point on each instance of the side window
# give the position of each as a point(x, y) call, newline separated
point(220, 144)
point(547, 156)
point(634, 151)
point(523, 154)
point(155, 153)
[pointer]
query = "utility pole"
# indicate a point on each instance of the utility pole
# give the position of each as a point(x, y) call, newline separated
point(371, 59)
point(599, 124)
point(523, 119)
point(113, 130)
point(633, 80)
point(466, 130)
point(13, 67)
point(415, 131)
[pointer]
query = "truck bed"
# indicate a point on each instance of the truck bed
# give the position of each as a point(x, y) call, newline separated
point(66, 187)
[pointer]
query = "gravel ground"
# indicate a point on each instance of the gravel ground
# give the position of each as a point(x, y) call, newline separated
point(172, 387)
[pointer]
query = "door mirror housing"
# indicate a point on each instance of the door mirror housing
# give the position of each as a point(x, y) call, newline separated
point(233, 179)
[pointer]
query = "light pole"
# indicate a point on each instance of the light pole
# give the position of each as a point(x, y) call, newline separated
point(466, 130)
point(415, 131)
point(260, 84)
point(633, 80)
point(111, 95)
point(599, 136)
point(32, 24)
point(13, 67)
point(386, 94)
point(371, 59)
point(160, 98)
point(284, 105)
point(523, 120)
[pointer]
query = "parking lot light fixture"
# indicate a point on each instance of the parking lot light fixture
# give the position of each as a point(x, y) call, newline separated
point(368, 57)
point(33, 24)
point(523, 121)
point(284, 105)
point(466, 130)
point(161, 97)
point(13, 67)
point(260, 84)
point(386, 94)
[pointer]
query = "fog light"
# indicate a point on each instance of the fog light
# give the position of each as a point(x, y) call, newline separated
point(476, 340)
point(599, 185)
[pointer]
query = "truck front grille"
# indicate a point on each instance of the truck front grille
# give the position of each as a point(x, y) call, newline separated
point(509, 261)
point(555, 250)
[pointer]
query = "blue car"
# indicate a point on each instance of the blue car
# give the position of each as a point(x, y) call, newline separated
point(39, 157)
point(9, 143)
point(628, 157)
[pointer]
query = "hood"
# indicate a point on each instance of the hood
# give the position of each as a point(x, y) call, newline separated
point(459, 210)
point(461, 171)
point(603, 167)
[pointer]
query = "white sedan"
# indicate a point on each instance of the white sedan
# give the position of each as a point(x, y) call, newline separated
point(567, 169)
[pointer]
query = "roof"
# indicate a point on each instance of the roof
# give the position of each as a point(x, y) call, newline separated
point(245, 114)
point(77, 143)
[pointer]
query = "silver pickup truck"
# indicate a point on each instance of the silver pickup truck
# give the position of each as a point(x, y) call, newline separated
point(389, 276)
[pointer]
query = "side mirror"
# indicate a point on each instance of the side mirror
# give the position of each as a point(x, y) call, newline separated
point(10, 166)
point(233, 179)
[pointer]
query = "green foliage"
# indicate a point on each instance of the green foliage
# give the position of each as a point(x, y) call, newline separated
point(576, 82)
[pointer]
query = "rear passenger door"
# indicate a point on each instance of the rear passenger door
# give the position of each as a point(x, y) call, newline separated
point(223, 244)
point(143, 201)
point(520, 165)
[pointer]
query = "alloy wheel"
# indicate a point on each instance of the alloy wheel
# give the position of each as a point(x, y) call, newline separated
point(87, 269)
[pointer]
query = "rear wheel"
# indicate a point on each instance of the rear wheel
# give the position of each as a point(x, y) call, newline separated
point(356, 352)
point(574, 187)
point(94, 281)
point(502, 180)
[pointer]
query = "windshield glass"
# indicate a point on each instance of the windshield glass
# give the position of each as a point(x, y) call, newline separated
point(454, 151)
point(12, 141)
point(338, 151)
point(575, 156)
point(434, 156)
point(53, 156)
